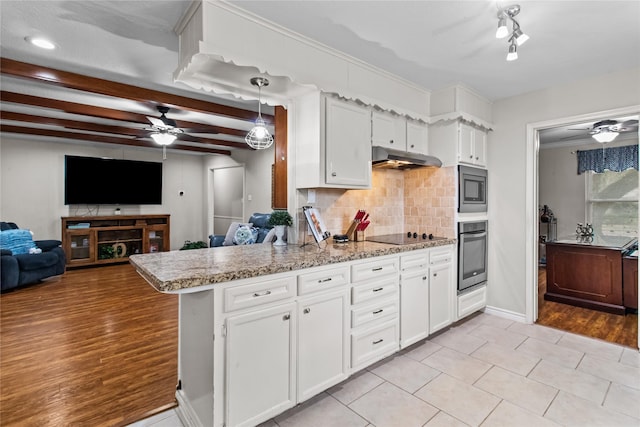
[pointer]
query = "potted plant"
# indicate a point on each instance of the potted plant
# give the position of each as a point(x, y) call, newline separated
point(280, 219)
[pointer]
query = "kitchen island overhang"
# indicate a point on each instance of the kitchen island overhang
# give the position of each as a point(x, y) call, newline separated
point(200, 269)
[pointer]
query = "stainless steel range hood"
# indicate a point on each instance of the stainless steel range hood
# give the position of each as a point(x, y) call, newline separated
point(387, 158)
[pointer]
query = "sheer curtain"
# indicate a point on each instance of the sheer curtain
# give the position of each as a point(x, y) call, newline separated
point(615, 159)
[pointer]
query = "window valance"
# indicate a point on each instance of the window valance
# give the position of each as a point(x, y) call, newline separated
point(616, 159)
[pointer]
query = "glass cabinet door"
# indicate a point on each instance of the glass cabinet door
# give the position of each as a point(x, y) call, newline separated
point(155, 239)
point(79, 246)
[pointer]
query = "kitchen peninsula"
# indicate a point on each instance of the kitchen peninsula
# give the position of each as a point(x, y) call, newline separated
point(263, 328)
point(587, 272)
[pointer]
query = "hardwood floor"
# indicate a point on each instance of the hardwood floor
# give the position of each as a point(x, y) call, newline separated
point(95, 347)
point(592, 323)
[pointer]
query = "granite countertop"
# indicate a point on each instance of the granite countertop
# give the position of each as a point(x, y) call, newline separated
point(183, 271)
point(610, 242)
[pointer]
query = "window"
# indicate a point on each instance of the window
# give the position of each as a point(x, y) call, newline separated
point(612, 202)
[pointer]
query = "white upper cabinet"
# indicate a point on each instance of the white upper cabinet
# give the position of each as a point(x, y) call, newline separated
point(472, 144)
point(348, 152)
point(332, 139)
point(417, 137)
point(455, 142)
point(388, 130)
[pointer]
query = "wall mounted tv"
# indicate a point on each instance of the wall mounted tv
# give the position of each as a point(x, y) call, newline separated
point(99, 181)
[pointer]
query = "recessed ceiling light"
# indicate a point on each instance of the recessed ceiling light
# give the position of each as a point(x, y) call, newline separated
point(40, 42)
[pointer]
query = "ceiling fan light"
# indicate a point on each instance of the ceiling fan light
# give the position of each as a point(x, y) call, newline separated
point(259, 137)
point(163, 138)
point(605, 136)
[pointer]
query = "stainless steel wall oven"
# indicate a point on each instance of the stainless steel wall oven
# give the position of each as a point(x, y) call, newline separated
point(472, 255)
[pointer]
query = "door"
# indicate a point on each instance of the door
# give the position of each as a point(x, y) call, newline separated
point(228, 198)
point(260, 365)
point(323, 347)
point(414, 307)
point(417, 138)
point(388, 131)
point(465, 144)
point(347, 144)
point(479, 147)
point(440, 297)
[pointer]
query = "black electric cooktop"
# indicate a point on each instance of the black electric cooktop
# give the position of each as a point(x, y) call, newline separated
point(404, 238)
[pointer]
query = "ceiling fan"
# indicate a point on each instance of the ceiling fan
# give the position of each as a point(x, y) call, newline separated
point(607, 130)
point(164, 130)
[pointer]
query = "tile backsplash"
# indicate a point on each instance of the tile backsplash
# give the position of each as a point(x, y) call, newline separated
point(421, 200)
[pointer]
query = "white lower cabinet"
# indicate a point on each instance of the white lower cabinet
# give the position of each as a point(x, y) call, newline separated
point(414, 298)
point(251, 349)
point(472, 301)
point(323, 346)
point(260, 369)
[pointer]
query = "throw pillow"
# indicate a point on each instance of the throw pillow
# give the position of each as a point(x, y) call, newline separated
point(228, 239)
point(18, 241)
point(245, 236)
point(270, 236)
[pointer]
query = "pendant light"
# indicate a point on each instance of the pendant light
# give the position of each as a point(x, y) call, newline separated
point(259, 137)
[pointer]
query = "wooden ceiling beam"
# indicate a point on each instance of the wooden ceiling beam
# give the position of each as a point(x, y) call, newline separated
point(104, 139)
point(121, 90)
point(107, 113)
point(118, 130)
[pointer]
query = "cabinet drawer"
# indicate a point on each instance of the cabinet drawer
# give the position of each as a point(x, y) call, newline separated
point(441, 255)
point(373, 344)
point(414, 261)
point(377, 289)
point(472, 301)
point(383, 310)
point(253, 294)
point(374, 269)
point(321, 280)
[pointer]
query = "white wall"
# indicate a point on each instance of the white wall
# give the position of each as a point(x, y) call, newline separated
point(507, 165)
point(32, 187)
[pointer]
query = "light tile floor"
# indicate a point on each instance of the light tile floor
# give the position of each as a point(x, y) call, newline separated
point(487, 371)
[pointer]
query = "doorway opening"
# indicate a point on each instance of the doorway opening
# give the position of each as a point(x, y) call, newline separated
point(550, 166)
point(228, 187)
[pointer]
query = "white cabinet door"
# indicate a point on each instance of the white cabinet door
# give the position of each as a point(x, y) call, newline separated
point(347, 144)
point(388, 131)
point(414, 307)
point(323, 342)
point(440, 297)
point(417, 138)
point(480, 147)
point(465, 144)
point(260, 365)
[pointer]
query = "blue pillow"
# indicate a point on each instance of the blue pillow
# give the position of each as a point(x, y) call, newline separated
point(17, 241)
point(245, 235)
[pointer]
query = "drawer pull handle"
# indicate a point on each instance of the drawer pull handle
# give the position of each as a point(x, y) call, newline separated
point(376, 269)
point(286, 317)
point(377, 289)
point(306, 311)
point(378, 341)
point(328, 279)
point(377, 311)
point(265, 293)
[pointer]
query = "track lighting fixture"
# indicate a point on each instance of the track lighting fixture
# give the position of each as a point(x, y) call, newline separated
point(518, 37)
point(259, 137)
point(513, 51)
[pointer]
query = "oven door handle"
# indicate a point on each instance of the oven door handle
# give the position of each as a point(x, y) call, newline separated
point(475, 233)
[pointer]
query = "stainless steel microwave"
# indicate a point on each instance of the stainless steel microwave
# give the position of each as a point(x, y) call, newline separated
point(472, 189)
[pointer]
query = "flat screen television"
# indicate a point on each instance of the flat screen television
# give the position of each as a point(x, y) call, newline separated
point(99, 181)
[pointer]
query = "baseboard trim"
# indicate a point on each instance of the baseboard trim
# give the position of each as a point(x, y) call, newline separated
point(507, 314)
point(185, 412)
